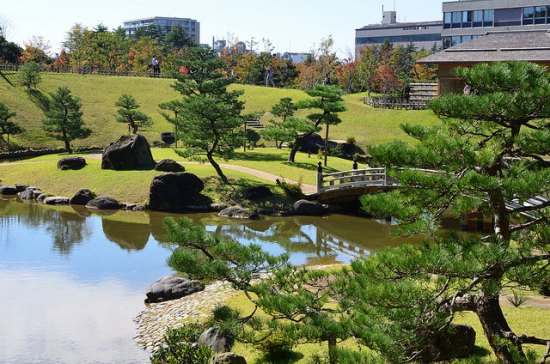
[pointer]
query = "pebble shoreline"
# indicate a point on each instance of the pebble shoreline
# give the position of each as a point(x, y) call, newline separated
point(158, 317)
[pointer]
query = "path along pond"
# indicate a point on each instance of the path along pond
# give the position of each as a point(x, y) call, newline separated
point(72, 281)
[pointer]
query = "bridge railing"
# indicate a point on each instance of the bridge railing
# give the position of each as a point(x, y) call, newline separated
point(351, 179)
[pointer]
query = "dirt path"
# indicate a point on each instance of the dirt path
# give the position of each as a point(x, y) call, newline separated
point(307, 189)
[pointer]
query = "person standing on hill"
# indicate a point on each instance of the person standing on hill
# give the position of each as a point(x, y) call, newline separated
point(156, 66)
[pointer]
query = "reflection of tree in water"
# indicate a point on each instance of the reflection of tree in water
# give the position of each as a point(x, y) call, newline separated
point(127, 235)
point(67, 229)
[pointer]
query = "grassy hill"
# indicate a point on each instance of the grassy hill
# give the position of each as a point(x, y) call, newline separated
point(99, 93)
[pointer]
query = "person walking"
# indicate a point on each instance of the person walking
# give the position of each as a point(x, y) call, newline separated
point(156, 66)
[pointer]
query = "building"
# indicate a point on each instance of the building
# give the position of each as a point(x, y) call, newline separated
point(520, 45)
point(422, 34)
point(191, 26)
point(296, 58)
point(469, 19)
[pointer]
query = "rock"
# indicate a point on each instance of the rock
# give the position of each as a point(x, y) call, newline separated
point(227, 358)
point(169, 165)
point(172, 191)
point(41, 197)
point(21, 188)
point(127, 153)
point(56, 200)
point(171, 288)
point(8, 190)
point(73, 163)
point(237, 212)
point(217, 340)
point(218, 206)
point(103, 203)
point(457, 342)
point(310, 208)
point(29, 194)
point(82, 197)
point(254, 193)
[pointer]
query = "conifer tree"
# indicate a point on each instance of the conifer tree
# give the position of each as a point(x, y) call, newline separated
point(8, 127)
point(128, 113)
point(486, 157)
point(64, 119)
point(212, 113)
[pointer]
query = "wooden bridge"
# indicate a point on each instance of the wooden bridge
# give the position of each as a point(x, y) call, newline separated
point(348, 185)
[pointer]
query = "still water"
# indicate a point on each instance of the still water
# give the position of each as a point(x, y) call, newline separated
point(71, 282)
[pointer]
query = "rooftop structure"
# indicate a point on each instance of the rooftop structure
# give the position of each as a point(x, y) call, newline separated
point(165, 24)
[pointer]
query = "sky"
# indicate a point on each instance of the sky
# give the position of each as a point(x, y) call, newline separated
point(290, 25)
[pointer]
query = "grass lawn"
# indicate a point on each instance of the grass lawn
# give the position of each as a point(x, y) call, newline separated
point(99, 93)
point(133, 186)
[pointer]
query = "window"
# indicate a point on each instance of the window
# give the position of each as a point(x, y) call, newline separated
point(457, 19)
point(447, 20)
point(478, 18)
point(528, 15)
point(508, 17)
point(467, 19)
point(488, 16)
point(447, 42)
point(540, 14)
point(400, 39)
point(456, 40)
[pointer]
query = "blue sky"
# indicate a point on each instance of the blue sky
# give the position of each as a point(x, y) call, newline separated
point(294, 25)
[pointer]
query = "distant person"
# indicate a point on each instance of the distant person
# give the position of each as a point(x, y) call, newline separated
point(326, 81)
point(269, 81)
point(467, 89)
point(407, 93)
point(156, 66)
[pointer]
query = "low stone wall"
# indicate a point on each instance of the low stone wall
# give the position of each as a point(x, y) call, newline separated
point(29, 153)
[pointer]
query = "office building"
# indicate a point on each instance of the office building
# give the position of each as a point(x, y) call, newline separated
point(165, 24)
point(422, 34)
point(469, 19)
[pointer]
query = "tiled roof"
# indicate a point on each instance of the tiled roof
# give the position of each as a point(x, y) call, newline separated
point(498, 46)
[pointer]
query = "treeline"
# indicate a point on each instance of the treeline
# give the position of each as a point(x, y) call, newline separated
point(385, 69)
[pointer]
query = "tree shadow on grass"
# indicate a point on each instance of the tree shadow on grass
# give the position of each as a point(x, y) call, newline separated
point(2, 75)
point(284, 357)
point(39, 99)
point(259, 157)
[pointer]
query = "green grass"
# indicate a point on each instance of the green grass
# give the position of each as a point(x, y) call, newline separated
point(99, 93)
point(133, 186)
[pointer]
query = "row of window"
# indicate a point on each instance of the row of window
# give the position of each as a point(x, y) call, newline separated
point(457, 39)
point(410, 38)
point(498, 18)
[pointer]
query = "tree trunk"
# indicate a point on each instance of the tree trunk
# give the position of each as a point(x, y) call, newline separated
point(217, 168)
point(67, 143)
point(332, 359)
point(501, 225)
point(297, 143)
point(326, 144)
point(495, 326)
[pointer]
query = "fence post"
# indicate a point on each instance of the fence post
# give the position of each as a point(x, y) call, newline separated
point(385, 176)
point(319, 177)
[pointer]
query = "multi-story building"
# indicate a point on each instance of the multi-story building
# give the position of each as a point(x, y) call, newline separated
point(165, 24)
point(422, 34)
point(469, 19)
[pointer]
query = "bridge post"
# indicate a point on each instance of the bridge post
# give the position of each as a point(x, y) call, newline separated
point(319, 177)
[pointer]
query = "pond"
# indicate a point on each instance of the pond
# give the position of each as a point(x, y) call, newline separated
point(72, 281)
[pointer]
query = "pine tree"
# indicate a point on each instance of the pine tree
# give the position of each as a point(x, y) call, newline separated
point(128, 114)
point(176, 107)
point(328, 99)
point(8, 127)
point(64, 119)
point(212, 114)
point(486, 154)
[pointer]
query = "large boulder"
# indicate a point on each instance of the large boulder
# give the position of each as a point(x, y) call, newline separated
point(169, 165)
point(21, 188)
point(217, 340)
point(171, 288)
point(103, 203)
point(56, 200)
point(239, 213)
point(172, 191)
point(309, 208)
point(227, 358)
point(73, 163)
point(127, 153)
point(457, 342)
point(82, 197)
point(8, 190)
point(257, 192)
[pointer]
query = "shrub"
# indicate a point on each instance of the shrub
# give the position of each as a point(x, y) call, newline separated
point(181, 347)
